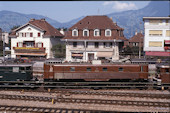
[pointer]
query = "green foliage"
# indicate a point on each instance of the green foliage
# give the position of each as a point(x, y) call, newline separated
point(59, 50)
point(15, 27)
point(132, 50)
point(64, 29)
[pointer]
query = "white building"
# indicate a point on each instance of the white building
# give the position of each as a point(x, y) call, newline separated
point(34, 39)
point(157, 36)
point(93, 37)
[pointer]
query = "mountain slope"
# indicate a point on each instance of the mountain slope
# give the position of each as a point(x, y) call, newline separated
point(129, 20)
point(9, 19)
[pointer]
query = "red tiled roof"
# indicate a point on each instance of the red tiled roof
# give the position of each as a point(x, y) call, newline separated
point(95, 22)
point(42, 24)
point(137, 38)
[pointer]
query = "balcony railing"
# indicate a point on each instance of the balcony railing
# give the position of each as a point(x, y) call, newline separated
point(29, 50)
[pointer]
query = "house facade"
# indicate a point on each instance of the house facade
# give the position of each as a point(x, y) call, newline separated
point(157, 36)
point(34, 40)
point(136, 40)
point(93, 37)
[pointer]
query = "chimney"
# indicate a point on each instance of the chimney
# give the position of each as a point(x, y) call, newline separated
point(32, 19)
point(141, 31)
point(136, 32)
point(62, 31)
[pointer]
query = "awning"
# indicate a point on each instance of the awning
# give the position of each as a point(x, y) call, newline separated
point(159, 53)
point(104, 54)
point(77, 54)
point(167, 41)
point(32, 54)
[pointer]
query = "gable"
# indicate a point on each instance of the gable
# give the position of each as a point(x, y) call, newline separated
point(29, 28)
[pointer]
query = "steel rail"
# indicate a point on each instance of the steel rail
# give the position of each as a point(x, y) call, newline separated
point(60, 99)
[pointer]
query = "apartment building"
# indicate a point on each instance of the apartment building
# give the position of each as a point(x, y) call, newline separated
point(157, 36)
point(93, 37)
point(34, 40)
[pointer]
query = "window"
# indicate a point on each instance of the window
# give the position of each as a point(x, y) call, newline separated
point(141, 68)
point(167, 22)
point(72, 68)
point(107, 44)
point(75, 32)
point(155, 44)
point(85, 32)
point(167, 33)
point(15, 69)
point(110, 44)
point(155, 22)
point(107, 32)
point(166, 70)
point(29, 29)
point(31, 34)
point(29, 44)
point(120, 69)
point(88, 69)
point(39, 44)
point(155, 32)
point(19, 44)
point(136, 44)
point(22, 69)
point(96, 32)
point(74, 44)
point(39, 34)
point(105, 69)
point(96, 44)
point(27, 34)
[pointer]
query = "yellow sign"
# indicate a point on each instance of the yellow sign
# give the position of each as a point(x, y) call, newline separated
point(155, 44)
point(26, 48)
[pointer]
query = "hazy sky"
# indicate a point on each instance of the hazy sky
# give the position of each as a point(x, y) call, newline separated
point(64, 11)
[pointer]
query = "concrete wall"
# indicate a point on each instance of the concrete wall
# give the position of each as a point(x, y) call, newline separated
point(148, 38)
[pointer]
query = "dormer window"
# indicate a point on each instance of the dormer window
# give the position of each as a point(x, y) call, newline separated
point(96, 32)
point(75, 32)
point(107, 32)
point(85, 32)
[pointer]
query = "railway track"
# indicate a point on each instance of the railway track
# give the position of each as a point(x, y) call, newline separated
point(60, 99)
point(42, 109)
point(122, 94)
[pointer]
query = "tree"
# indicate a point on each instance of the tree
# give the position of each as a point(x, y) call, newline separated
point(15, 27)
point(59, 50)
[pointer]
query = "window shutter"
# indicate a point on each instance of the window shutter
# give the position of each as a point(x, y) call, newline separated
point(42, 44)
point(31, 35)
point(167, 33)
point(17, 44)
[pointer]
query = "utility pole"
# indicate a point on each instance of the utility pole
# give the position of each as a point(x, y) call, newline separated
point(140, 42)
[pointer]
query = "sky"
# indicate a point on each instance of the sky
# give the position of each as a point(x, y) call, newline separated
point(64, 11)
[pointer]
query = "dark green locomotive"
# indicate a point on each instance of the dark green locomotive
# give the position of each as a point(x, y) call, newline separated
point(15, 72)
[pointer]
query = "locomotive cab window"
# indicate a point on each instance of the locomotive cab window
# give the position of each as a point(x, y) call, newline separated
point(120, 69)
point(15, 69)
point(88, 69)
point(105, 69)
point(22, 69)
point(72, 68)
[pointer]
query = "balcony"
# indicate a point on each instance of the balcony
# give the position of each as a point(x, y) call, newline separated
point(29, 50)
